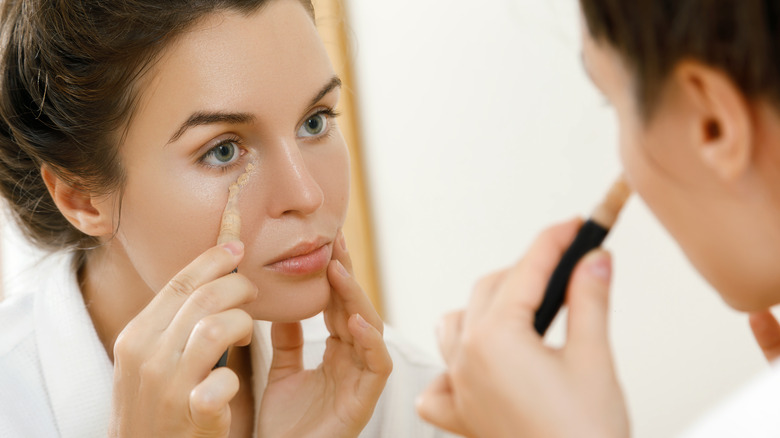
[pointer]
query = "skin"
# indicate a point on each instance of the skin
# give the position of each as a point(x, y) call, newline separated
point(162, 297)
point(705, 163)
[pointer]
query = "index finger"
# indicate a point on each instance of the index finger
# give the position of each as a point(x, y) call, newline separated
point(213, 263)
point(523, 287)
point(348, 297)
point(766, 330)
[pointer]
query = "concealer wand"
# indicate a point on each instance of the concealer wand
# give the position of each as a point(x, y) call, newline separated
point(590, 237)
point(230, 228)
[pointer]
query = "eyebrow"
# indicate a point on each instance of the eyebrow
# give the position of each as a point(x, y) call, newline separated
point(208, 118)
point(335, 82)
point(201, 118)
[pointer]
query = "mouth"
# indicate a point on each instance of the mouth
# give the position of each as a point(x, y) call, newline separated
point(304, 259)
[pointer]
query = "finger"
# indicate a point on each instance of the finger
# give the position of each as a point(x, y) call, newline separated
point(210, 402)
point(436, 405)
point(484, 291)
point(448, 332)
point(588, 300)
point(372, 351)
point(336, 317)
point(212, 335)
point(212, 264)
point(287, 342)
point(224, 293)
point(350, 297)
point(341, 253)
point(522, 290)
point(766, 330)
point(483, 294)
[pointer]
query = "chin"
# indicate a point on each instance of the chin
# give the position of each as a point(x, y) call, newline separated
point(291, 300)
point(748, 302)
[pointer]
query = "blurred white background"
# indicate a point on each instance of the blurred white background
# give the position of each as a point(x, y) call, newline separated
point(480, 129)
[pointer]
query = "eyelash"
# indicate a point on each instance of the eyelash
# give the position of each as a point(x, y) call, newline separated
point(329, 113)
point(228, 167)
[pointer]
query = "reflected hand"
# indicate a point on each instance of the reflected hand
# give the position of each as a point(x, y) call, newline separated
point(766, 330)
point(502, 381)
point(337, 398)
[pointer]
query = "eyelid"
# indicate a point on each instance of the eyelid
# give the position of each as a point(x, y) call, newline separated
point(330, 116)
point(219, 141)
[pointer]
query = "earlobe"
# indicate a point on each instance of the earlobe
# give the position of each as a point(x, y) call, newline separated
point(724, 137)
point(84, 211)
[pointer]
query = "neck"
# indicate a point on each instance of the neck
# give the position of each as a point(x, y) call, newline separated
point(113, 292)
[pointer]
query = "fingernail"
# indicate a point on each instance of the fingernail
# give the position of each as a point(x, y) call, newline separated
point(600, 265)
point(235, 247)
point(361, 322)
point(342, 271)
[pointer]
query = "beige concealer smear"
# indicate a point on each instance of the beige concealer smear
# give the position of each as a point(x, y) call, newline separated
point(230, 226)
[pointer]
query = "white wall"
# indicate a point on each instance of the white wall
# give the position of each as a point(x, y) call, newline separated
point(480, 129)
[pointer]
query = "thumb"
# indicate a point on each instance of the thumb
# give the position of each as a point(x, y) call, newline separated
point(287, 340)
point(766, 330)
point(588, 299)
point(436, 405)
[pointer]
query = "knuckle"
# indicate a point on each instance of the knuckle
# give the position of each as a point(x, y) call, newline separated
point(549, 233)
point(202, 404)
point(206, 298)
point(182, 284)
point(152, 372)
point(483, 283)
point(386, 367)
point(245, 320)
point(471, 341)
point(210, 330)
point(249, 290)
point(170, 401)
point(452, 318)
point(127, 345)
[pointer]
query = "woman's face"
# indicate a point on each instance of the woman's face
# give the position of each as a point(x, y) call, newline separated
point(236, 89)
point(726, 228)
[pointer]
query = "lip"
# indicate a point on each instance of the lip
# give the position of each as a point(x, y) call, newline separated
point(306, 258)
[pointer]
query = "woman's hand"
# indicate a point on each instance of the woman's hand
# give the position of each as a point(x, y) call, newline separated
point(164, 384)
point(766, 330)
point(502, 381)
point(337, 398)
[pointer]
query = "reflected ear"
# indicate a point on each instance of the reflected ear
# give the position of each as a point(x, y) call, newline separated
point(89, 214)
point(724, 136)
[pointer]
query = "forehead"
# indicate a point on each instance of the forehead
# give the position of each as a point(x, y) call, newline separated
point(266, 62)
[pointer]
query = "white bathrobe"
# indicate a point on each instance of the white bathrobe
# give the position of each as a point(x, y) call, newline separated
point(56, 378)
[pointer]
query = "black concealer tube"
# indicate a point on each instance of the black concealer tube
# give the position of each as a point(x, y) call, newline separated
point(590, 236)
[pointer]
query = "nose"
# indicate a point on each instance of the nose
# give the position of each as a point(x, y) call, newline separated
point(293, 189)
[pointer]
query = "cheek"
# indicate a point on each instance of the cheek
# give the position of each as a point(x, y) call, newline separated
point(167, 222)
point(331, 170)
point(290, 299)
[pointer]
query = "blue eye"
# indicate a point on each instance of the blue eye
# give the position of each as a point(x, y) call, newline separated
point(222, 154)
point(314, 126)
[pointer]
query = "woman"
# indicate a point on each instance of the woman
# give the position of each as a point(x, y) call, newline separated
point(123, 124)
point(696, 90)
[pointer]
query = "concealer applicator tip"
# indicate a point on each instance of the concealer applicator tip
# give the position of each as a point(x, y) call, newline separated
point(606, 213)
point(589, 237)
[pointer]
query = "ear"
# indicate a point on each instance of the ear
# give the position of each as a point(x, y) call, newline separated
point(723, 123)
point(91, 215)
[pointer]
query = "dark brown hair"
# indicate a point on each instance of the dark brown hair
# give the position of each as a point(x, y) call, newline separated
point(67, 92)
point(738, 37)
